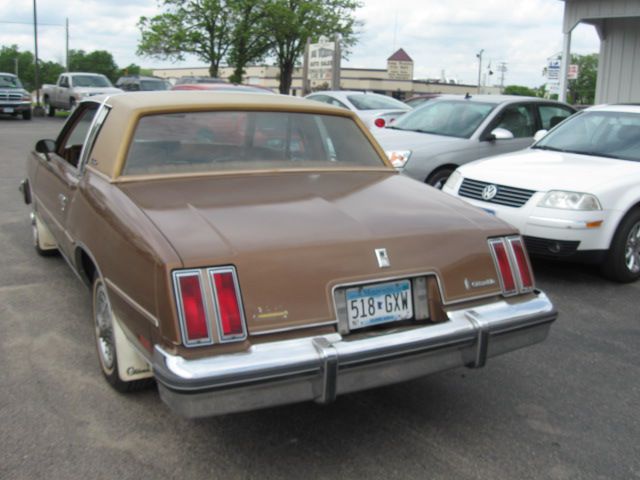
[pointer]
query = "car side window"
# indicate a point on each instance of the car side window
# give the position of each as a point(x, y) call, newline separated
point(69, 145)
point(551, 115)
point(64, 82)
point(319, 98)
point(518, 119)
point(337, 103)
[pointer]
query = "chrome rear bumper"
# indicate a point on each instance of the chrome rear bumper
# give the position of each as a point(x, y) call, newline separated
point(320, 368)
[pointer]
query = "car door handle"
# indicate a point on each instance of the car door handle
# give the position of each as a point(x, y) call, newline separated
point(63, 201)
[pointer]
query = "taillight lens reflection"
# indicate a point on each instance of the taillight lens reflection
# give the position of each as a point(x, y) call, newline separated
point(229, 312)
point(192, 306)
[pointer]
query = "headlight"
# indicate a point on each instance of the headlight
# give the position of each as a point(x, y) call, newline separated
point(453, 180)
point(398, 158)
point(570, 201)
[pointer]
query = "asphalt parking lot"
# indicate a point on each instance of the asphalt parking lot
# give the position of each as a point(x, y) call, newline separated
point(565, 409)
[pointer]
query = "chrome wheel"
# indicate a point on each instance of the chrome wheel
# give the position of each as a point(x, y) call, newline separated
point(632, 249)
point(104, 328)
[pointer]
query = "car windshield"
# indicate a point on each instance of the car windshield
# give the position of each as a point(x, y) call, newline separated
point(605, 134)
point(369, 101)
point(149, 85)
point(453, 118)
point(245, 140)
point(9, 81)
point(90, 81)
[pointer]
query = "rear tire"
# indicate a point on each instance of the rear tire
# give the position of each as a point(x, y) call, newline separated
point(438, 178)
point(622, 263)
point(103, 320)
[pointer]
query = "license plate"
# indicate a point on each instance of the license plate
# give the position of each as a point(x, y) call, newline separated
point(7, 110)
point(379, 303)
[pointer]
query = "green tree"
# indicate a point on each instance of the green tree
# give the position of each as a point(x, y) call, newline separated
point(520, 90)
point(198, 27)
point(291, 22)
point(49, 71)
point(582, 91)
point(250, 39)
point(98, 61)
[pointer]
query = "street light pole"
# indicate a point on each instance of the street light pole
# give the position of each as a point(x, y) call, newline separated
point(479, 56)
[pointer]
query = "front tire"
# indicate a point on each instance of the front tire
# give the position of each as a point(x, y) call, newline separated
point(623, 259)
point(438, 178)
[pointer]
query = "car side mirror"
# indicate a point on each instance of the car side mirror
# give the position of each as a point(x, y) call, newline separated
point(539, 134)
point(500, 134)
point(46, 147)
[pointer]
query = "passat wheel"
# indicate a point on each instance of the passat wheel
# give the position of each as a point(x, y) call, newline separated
point(623, 259)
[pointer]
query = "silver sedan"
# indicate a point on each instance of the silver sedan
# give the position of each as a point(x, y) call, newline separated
point(431, 141)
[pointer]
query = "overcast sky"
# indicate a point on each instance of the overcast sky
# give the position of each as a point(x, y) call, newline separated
point(439, 35)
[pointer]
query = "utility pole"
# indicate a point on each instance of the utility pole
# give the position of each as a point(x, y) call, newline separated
point(479, 56)
point(67, 44)
point(37, 111)
point(502, 68)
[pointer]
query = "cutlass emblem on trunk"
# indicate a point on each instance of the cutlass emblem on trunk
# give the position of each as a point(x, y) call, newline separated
point(487, 282)
point(383, 258)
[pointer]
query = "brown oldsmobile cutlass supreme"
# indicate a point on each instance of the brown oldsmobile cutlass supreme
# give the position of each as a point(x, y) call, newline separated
point(250, 250)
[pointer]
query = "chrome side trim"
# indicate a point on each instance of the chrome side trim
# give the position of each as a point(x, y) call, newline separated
point(135, 305)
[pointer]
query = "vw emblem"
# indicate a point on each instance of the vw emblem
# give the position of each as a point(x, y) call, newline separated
point(489, 192)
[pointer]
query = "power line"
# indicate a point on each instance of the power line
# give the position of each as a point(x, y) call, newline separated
point(31, 23)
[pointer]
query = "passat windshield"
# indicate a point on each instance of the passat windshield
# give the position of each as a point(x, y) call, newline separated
point(453, 118)
point(605, 134)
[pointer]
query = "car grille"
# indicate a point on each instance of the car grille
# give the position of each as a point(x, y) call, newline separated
point(10, 97)
point(547, 247)
point(509, 196)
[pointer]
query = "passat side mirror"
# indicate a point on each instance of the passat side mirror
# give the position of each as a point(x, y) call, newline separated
point(539, 134)
point(46, 147)
point(500, 134)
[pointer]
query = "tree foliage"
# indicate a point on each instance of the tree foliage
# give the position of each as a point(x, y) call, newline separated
point(244, 31)
point(520, 90)
point(49, 71)
point(582, 91)
point(197, 27)
point(291, 22)
point(98, 61)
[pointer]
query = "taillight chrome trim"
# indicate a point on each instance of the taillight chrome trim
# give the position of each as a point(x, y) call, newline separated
point(212, 284)
point(176, 275)
point(508, 244)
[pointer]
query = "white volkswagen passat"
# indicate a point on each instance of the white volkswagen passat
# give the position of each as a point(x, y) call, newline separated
point(575, 194)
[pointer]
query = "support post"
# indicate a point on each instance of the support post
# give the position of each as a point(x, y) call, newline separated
point(564, 66)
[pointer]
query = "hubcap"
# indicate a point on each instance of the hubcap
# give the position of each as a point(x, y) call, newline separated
point(632, 249)
point(104, 329)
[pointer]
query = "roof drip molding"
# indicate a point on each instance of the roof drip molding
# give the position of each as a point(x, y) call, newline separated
point(595, 11)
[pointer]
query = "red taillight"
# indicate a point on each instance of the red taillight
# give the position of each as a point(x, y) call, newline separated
point(501, 257)
point(230, 317)
point(191, 307)
point(379, 122)
point(522, 261)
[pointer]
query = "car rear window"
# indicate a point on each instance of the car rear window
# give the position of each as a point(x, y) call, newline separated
point(243, 140)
